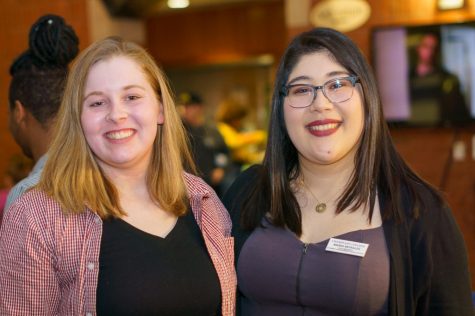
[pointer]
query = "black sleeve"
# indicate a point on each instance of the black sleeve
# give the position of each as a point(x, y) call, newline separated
point(234, 199)
point(440, 254)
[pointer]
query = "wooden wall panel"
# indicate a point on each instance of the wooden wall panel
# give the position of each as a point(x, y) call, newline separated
point(217, 35)
point(17, 18)
point(429, 152)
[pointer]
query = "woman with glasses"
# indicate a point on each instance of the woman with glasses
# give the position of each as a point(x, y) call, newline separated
point(334, 222)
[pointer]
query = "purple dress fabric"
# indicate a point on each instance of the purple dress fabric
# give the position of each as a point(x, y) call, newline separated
point(280, 275)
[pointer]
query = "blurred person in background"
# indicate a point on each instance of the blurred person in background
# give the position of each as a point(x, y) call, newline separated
point(210, 153)
point(38, 79)
point(436, 95)
point(247, 146)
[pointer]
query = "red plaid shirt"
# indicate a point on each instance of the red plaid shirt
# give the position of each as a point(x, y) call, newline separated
point(49, 261)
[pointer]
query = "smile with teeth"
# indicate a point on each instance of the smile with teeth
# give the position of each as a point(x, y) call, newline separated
point(323, 127)
point(120, 134)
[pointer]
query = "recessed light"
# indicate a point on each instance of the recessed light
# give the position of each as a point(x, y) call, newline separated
point(450, 4)
point(178, 4)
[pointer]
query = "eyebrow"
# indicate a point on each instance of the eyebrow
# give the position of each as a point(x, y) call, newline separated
point(123, 89)
point(330, 74)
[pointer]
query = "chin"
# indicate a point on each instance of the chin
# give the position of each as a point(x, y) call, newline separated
point(327, 159)
point(327, 162)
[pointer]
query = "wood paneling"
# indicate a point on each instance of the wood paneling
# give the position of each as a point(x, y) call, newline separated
point(218, 34)
point(429, 152)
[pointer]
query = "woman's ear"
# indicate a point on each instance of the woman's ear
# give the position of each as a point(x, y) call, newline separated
point(18, 112)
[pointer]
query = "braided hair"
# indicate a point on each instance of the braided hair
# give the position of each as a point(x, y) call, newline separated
point(39, 73)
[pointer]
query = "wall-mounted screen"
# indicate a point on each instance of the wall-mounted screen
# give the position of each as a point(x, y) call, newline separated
point(426, 74)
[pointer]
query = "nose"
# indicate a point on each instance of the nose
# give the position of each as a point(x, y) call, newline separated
point(117, 111)
point(320, 101)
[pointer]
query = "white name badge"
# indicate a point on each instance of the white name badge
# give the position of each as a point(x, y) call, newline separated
point(347, 247)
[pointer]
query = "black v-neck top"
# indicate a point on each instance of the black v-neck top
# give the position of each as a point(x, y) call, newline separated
point(143, 274)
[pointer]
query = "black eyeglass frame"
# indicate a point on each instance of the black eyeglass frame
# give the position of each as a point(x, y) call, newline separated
point(352, 78)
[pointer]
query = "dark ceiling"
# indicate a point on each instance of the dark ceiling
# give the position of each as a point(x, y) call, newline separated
point(147, 8)
point(130, 8)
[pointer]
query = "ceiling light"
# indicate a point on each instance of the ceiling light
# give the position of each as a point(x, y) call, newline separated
point(450, 4)
point(178, 4)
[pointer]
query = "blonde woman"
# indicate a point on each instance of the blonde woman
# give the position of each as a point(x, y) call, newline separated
point(116, 226)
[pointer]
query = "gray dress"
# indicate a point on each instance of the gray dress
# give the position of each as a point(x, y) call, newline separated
point(280, 275)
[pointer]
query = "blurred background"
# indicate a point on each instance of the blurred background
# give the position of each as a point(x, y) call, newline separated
point(223, 49)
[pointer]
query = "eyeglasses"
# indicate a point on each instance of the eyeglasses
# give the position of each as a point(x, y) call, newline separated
point(336, 91)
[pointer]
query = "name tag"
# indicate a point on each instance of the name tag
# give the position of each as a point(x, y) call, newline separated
point(347, 247)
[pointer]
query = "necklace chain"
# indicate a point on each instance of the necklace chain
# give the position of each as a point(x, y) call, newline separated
point(321, 206)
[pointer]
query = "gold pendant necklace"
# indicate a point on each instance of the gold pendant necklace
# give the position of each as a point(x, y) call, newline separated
point(321, 206)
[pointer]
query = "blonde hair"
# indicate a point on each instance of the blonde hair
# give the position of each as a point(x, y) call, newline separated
point(71, 174)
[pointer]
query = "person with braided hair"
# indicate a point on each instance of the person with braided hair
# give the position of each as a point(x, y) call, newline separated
point(36, 88)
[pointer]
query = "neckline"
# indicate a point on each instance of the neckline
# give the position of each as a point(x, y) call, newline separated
point(324, 241)
point(353, 232)
point(141, 232)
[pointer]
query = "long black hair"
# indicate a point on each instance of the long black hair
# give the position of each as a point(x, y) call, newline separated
point(39, 74)
point(379, 169)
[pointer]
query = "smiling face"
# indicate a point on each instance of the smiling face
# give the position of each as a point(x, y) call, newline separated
point(324, 132)
point(120, 114)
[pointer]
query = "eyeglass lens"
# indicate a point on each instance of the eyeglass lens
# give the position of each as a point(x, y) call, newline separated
point(336, 90)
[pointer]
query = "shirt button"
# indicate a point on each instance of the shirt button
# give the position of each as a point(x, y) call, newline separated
point(88, 314)
point(90, 266)
point(97, 220)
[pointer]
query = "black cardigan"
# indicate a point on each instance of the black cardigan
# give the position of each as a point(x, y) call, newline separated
point(428, 259)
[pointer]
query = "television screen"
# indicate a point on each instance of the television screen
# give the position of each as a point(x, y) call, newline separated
point(426, 74)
